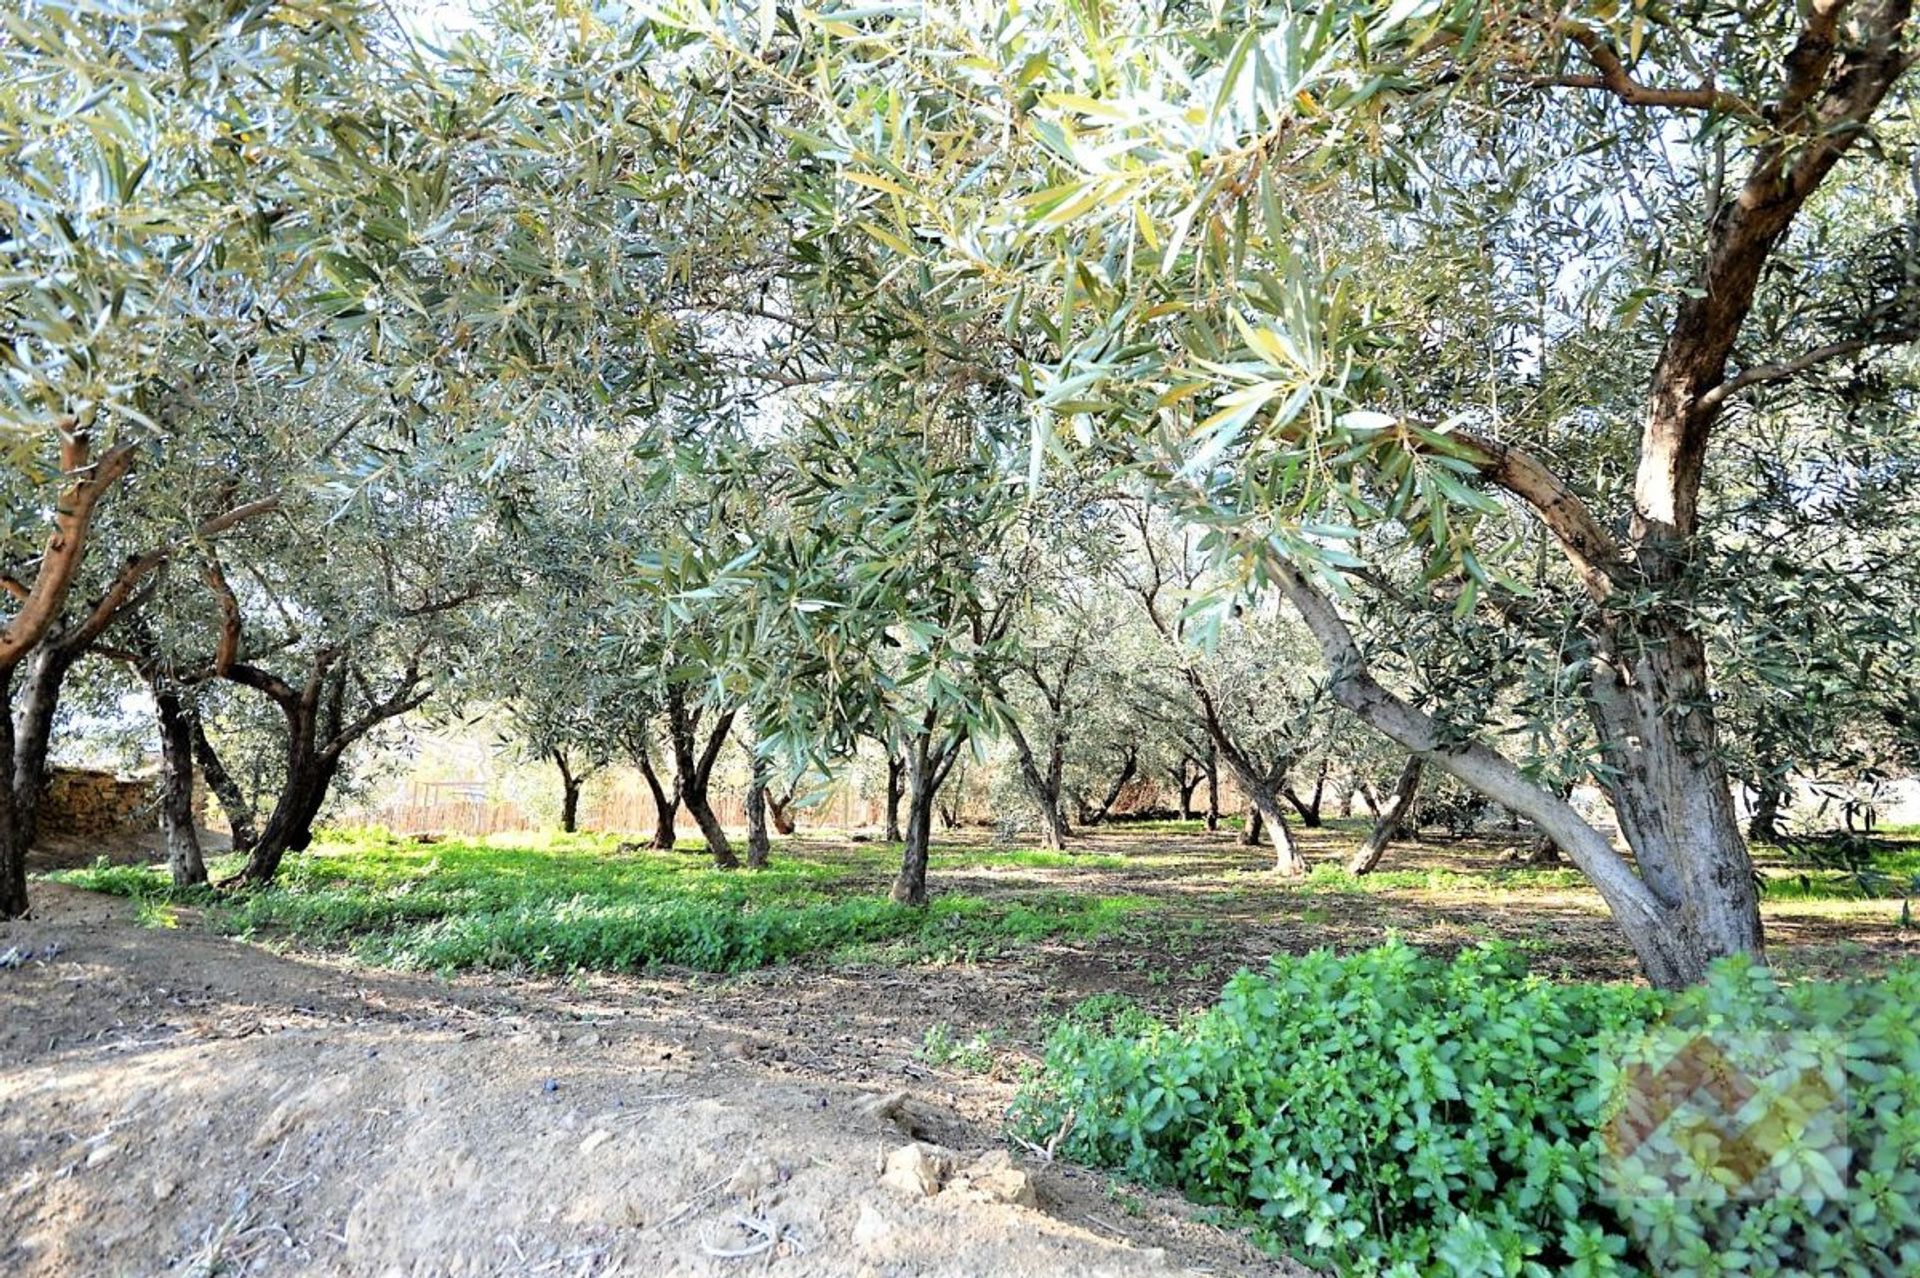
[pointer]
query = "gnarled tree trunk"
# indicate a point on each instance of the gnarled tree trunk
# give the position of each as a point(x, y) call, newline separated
point(1387, 828)
point(184, 861)
point(896, 780)
point(759, 844)
point(1129, 764)
point(666, 806)
point(25, 741)
point(318, 733)
point(694, 768)
point(927, 766)
point(1043, 787)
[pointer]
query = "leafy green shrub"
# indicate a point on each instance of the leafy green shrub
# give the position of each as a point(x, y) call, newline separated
point(1393, 1113)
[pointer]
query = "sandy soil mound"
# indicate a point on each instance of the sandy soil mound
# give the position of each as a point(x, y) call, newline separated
point(175, 1103)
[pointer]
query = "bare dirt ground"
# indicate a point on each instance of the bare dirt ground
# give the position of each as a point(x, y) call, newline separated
point(172, 1102)
point(176, 1103)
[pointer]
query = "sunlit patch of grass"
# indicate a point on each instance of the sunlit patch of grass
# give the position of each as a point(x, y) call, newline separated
point(567, 902)
point(1336, 879)
point(1878, 870)
point(1025, 859)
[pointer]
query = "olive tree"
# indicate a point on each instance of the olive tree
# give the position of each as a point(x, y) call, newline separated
point(1198, 224)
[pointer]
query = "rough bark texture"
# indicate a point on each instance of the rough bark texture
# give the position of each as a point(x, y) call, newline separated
point(910, 885)
point(13, 840)
point(927, 764)
point(1669, 952)
point(759, 843)
point(693, 764)
point(1387, 828)
point(184, 861)
point(896, 779)
point(233, 801)
point(666, 805)
point(25, 740)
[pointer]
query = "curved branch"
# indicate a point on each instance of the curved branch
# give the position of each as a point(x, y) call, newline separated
point(1591, 549)
point(270, 685)
point(1784, 369)
point(66, 545)
point(1614, 79)
point(1485, 770)
point(120, 593)
point(1827, 96)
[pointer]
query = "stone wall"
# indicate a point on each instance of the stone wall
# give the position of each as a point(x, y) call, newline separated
point(84, 801)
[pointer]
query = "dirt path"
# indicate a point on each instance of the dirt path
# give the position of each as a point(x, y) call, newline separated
point(171, 1102)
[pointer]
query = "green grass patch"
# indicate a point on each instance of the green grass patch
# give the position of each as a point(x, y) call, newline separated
point(564, 903)
point(1857, 869)
point(1336, 879)
point(1173, 825)
point(1024, 859)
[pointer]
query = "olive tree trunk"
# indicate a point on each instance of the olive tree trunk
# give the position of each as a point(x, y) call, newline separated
point(896, 781)
point(666, 805)
point(693, 765)
point(1213, 787)
point(570, 784)
point(1043, 787)
point(926, 766)
point(1387, 827)
point(1689, 896)
point(1129, 765)
point(759, 843)
point(184, 861)
point(318, 732)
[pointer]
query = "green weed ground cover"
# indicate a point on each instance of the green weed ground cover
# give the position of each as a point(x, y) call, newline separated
point(565, 903)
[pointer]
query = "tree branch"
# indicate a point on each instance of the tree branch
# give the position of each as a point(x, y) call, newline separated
point(120, 592)
point(1478, 766)
point(1614, 79)
point(270, 685)
point(1588, 546)
point(1827, 96)
point(41, 606)
point(1781, 371)
point(227, 651)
